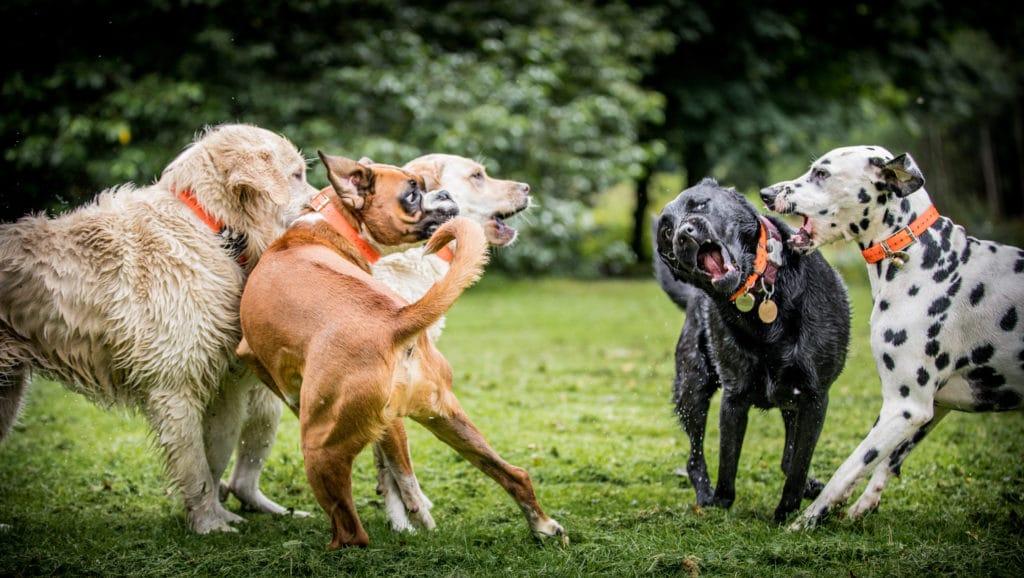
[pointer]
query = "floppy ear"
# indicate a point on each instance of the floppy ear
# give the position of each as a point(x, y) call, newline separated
point(257, 171)
point(902, 176)
point(350, 179)
point(429, 170)
point(366, 161)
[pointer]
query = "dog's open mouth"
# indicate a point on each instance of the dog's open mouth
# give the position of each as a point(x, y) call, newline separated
point(712, 261)
point(499, 232)
point(803, 238)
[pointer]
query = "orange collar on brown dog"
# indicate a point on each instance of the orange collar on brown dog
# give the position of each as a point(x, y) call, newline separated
point(322, 204)
point(902, 239)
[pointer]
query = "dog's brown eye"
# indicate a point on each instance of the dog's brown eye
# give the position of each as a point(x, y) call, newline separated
point(820, 174)
point(297, 175)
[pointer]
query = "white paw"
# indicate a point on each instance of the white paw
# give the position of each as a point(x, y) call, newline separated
point(213, 519)
point(865, 505)
point(253, 500)
point(424, 519)
point(549, 528)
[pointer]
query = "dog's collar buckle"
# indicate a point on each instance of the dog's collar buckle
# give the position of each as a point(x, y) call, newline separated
point(320, 201)
point(893, 247)
point(898, 258)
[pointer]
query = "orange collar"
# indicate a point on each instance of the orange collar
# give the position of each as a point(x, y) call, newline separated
point(322, 204)
point(187, 197)
point(760, 264)
point(902, 239)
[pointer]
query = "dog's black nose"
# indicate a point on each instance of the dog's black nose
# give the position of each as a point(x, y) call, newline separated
point(689, 229)
point(768, 195)
point(443, 196)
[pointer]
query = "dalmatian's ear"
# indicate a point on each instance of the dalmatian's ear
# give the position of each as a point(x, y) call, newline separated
point(902, 175)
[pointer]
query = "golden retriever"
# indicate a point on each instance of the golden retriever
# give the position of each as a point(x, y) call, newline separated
point(132, 300)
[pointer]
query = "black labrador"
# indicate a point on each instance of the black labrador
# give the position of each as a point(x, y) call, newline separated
point(768, 326)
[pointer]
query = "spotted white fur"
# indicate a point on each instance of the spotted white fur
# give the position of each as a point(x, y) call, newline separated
point(947, 330)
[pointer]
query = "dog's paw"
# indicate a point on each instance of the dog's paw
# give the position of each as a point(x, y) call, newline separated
point(253, 500)
point(865, 505)
point(813, 488)
point(722, 502)
point(809, 520)
point(549, 528)
point(213, 519)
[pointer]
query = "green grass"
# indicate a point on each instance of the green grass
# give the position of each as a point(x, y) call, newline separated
point(570, 380)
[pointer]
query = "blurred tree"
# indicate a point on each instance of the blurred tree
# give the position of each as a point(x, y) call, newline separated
point(746, 82)
point(546, 91)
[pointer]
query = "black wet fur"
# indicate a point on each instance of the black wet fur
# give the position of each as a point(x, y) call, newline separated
point(755, 364)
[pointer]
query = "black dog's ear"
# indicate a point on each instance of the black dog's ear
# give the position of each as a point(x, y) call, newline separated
point(902, 176)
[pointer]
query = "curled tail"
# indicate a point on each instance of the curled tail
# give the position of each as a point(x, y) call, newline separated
point(466, 268)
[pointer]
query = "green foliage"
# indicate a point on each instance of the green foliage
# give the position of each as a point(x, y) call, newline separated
point(570, 380)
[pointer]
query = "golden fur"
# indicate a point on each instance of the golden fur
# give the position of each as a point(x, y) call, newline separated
point(132, 300)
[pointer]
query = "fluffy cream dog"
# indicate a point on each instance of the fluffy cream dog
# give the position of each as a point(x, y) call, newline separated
point(412, 272)
point(132, 300)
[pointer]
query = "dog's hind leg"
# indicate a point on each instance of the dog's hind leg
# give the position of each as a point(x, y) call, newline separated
point(456, 430)
point(807, 424)
point(13, 383)
point(872, 495)
point(692, 391)
point(177, 419)
point(14, 374)
point(397, 481)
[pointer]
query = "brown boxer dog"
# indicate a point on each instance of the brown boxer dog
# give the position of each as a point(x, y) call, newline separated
point(349, 356)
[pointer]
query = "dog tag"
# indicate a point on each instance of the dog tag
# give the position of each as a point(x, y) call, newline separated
point(745, 302)
point(768, 311)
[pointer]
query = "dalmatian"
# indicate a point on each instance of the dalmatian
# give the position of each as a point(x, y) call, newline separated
point(946, 327)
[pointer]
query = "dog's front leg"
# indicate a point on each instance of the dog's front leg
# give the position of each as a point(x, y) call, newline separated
point(456, 430)
point(177, 419)
point(263, 413)
point(808, 421)
point(732, 427)
point(887, 468)
point(893, 427)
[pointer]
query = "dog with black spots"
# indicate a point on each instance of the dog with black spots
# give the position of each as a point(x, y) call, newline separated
point(946, 331)
point(718, 258)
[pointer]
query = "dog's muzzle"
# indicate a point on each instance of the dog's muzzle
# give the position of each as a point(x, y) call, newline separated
point(774, 198)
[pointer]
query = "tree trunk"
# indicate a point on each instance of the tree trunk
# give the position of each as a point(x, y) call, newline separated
point(1018, 139)
point(695, 161)
point(643, 199)
point(988, 169)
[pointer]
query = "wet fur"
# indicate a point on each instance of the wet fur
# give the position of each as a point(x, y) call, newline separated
point(789, 364)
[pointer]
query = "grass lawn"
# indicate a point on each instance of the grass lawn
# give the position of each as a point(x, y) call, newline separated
point(571, 380)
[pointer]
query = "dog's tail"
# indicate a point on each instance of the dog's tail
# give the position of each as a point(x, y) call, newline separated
point(466, 268)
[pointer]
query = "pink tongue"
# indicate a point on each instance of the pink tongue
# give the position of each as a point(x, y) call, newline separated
point(713, 264)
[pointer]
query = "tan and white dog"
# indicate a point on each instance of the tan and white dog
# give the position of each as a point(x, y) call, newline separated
point(410, 273)
point(132, 300)
point(351, 357)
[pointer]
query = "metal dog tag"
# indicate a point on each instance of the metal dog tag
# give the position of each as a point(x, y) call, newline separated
point(745, 302)
point(768, 312)
point(899, 259)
